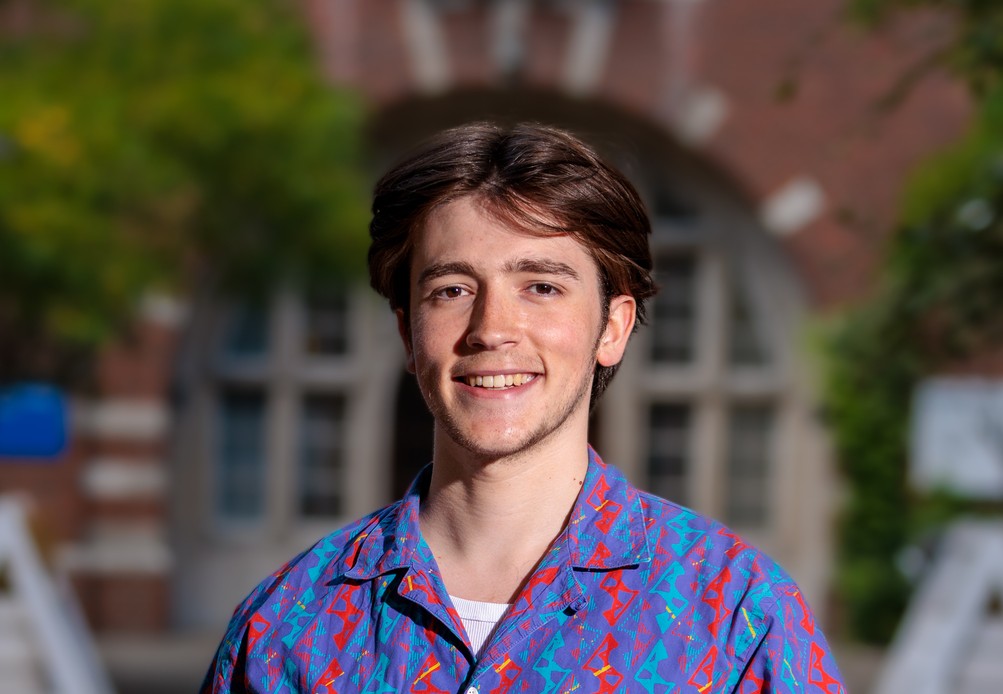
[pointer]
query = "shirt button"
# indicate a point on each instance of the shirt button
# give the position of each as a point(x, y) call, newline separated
point(471, 690)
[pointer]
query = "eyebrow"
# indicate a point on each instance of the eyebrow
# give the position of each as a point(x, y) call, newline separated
point(525, 265)
point(436, 270)
point(543, 267)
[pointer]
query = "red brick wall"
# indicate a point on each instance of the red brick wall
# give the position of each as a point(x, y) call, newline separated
point(51, 489)
point(812, 94)
point(807, 94)
point(137, 368)
point(124, 602)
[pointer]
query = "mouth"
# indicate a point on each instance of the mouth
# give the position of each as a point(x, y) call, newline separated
point(497, 381)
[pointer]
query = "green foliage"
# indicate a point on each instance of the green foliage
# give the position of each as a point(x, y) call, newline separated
point(938, 305)
point(867, 400)
point(149, 143)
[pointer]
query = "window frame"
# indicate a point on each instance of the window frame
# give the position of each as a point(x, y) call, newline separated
point(731, 253)
point(286, 374)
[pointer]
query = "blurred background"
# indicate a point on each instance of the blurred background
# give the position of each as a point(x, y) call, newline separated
point(196, 381)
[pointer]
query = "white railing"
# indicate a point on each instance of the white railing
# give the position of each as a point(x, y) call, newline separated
point(65, 650)
point(938, 635)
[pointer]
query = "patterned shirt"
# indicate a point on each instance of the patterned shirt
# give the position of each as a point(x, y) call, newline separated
point(637, 594)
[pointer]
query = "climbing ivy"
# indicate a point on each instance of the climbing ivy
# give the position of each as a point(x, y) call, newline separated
point(938, 305)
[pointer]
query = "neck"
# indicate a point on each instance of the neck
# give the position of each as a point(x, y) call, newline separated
point(489, 521)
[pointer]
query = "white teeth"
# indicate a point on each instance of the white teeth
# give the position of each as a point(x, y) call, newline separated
point(499, 381)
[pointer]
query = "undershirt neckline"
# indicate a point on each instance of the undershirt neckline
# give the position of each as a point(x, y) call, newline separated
point(479, 619)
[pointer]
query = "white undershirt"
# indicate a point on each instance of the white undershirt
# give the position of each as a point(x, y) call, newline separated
point(479, 619)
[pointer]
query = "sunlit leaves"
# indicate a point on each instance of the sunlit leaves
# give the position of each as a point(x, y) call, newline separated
point(144, 141)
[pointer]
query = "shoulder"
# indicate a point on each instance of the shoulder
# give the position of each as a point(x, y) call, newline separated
point(677, 547)
point(726, 577)
point(292, 591)
point(738, 596)
point(665, 537)
point(679, 534)
point(324, 561)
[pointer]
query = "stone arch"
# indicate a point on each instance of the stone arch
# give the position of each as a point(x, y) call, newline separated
point(664, 168)
point(626, 136)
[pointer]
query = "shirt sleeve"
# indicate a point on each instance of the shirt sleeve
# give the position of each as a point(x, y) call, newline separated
point(226, 673)
point(792, 656)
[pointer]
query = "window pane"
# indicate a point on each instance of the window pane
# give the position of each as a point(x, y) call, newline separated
point(745, 348)
point(246, 332)
point(322, 452)
point(327, 323)
point(750, 429)
point(674, 320)
point(240, 485)
point(669, 450)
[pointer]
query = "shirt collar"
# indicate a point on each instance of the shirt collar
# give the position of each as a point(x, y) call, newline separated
point(606, 529)
point(392, 539)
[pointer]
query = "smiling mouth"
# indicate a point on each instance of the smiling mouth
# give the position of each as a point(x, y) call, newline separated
point(498, 381)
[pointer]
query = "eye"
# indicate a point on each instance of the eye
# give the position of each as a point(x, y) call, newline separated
point(450, 292)
point(544, 289)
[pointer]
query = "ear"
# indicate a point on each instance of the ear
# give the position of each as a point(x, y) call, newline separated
point(405, 332)
point(622, 313)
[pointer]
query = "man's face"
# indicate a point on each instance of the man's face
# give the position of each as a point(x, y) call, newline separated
point(505, 331)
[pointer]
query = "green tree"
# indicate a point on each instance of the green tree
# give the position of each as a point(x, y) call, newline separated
point(161, 144)
point(937, 305)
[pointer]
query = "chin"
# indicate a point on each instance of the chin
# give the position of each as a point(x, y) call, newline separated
point(494, 445)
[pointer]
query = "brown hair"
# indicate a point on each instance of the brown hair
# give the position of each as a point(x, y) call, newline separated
point(539, 179)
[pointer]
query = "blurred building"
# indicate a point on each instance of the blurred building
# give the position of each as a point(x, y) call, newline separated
point(770, 139)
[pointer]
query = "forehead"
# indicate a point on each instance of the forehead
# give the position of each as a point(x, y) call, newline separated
point(468, 227)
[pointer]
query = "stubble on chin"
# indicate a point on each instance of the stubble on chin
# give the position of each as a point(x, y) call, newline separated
point(548, 423)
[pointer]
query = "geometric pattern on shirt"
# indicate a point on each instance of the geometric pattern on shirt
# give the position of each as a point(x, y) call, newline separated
point(637, 594)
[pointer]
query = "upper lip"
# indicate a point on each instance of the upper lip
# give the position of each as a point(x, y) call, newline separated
point(493, 372)
point(485, 372)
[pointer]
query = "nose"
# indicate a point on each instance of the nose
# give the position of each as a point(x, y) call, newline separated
point(494, 321)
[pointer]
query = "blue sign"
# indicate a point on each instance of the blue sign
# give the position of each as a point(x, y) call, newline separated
point(32, 422)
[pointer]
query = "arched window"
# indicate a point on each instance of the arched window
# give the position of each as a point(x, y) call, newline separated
point(701, 413)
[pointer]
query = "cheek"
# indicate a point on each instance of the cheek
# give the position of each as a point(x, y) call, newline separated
point(569, 337)
point(431, 343)
point(427, 367)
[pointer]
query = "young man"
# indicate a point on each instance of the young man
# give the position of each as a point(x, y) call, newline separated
point(517, 263)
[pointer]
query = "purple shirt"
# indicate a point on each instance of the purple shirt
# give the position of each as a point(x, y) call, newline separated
point(637, 594)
